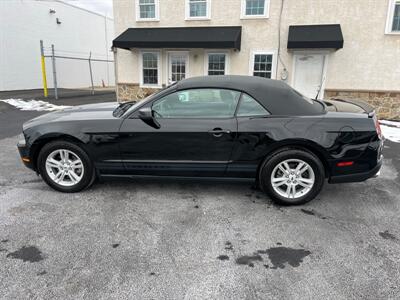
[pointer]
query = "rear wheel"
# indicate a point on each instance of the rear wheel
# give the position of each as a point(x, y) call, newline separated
point(292, 176)
point(65, 167)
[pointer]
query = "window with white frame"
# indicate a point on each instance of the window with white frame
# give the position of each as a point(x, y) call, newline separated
point(262, 65)
point(147, 10)
point(217, 64)
point(150, 63)
point(198, 9)
point(255, 8)
point(396, 17)
point(393, 22)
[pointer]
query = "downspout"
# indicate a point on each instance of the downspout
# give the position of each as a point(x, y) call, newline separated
point(114, 50)
point(284, 71)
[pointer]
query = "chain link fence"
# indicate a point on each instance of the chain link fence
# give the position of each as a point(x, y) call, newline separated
point(87, 73)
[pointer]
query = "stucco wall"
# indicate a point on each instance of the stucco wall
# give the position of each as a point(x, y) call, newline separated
point(24, 23)
point(256, 35)
point(369, 60)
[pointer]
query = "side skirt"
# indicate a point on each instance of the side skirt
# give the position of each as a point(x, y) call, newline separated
point(223, 179)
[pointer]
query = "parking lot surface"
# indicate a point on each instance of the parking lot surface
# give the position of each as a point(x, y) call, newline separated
point(151, 239)
point(11, 119)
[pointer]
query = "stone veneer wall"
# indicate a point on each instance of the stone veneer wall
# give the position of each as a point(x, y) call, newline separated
point(386, 103)
point(132, 91)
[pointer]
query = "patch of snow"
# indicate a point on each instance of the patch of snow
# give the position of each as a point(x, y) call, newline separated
point(36, 105)
point(390, 130)
point(390, 123)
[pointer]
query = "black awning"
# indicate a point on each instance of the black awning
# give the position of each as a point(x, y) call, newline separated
point(315, 36)
point(180, 37)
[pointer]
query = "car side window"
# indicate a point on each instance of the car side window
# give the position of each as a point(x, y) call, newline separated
point(197, 103)
point(249, 107)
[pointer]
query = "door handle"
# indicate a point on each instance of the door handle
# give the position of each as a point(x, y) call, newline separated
point(218, 132)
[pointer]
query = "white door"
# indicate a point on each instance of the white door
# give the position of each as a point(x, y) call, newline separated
point(309, 74)
point(177, 66)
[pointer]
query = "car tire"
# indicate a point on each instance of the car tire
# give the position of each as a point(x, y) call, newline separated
point(292, 176)
point(69, 160)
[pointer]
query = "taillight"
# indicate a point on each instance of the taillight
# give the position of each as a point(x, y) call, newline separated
point(378, 127)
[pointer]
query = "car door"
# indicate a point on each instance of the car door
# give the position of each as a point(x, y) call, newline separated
point(196, 134)
point(252, 138)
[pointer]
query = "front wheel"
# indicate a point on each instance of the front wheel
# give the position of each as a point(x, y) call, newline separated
point(65, 167)
point(292, 176)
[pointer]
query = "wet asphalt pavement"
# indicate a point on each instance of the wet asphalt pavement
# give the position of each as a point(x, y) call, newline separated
point(11, 119)
point(152, 239)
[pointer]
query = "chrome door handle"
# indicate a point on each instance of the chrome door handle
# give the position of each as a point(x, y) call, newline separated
point(218, 132)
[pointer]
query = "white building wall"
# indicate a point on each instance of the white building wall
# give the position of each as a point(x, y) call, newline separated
point(23, 23)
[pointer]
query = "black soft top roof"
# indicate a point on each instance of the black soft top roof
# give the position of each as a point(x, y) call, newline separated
point(276, 96)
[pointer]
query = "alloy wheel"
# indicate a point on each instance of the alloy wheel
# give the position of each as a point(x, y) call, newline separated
point(292, 178)
point(64, 167)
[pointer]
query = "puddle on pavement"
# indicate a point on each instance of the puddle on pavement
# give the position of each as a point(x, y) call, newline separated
point(280, 256)
point(223, 257)
point(248, 259)
point(30, 253)
point(228, 246)
point(387, 235)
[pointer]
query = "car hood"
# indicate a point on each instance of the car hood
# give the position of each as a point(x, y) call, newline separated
point(76, 113)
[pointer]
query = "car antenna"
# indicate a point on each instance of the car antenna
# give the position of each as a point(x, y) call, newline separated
point(320, 88)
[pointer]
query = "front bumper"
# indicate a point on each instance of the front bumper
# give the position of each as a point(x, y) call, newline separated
point(24, 153)
point(357, 177)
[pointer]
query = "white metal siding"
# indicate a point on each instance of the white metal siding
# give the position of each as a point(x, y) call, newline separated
point(24, 23)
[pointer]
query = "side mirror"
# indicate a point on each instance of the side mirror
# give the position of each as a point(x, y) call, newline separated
point(146, 115)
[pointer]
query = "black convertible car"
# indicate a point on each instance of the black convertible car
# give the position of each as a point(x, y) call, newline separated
point(233, 127)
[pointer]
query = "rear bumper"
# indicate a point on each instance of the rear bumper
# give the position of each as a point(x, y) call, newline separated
point(24, 153)
point(357, 177)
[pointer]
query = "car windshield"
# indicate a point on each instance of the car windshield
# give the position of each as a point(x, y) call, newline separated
point(123, 108)
point(134, 104)
point(127, 106)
